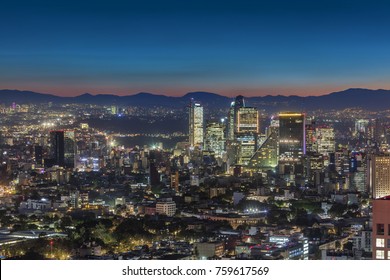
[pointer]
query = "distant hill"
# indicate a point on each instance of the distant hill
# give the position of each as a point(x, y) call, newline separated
point(353, 97)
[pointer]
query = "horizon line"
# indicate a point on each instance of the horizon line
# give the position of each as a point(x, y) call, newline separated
point(189, 92)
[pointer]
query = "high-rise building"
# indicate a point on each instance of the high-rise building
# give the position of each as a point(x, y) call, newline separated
point(380, 175)
point(246, 147)
point(57, 146)
point(239, 102)
point(381, 228)
point(247, 129)
point(196, 124)
point(69, 148)
point(325, 142)
point(231, 122)
point(175, 181)
point(38, 153)
point(292, 137)
point(361, 127)
point(247, 120)
point(215, 138)
point(233, 115)
point(357, 171)
point(114, 109)
point(310, 135)
point(154, 175)
point(266, 157)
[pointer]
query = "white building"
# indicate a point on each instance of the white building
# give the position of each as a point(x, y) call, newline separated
point(166, 207)
point(196, 124)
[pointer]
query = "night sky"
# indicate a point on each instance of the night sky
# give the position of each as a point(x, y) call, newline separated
point(173, 47)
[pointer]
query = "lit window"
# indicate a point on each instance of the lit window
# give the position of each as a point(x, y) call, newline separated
point(380, 242)
point(380, 255)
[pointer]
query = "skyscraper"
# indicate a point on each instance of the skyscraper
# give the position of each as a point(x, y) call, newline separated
point(57, 146)
point(154, 175)
point(361, 127)
point(239, 102)
point(380, 175)
point(231, 122)
point(325, 142)
point(266, 157)
point(310, 134)
point(247, 128)
point(62, 149)
point(292, 137)
point(215, 137)
point(247, 120)
point(196, 125)
point(69, 148)
point(38, 153)
point(381, 228)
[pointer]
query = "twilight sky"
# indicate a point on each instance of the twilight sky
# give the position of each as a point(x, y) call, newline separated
point(175, 46)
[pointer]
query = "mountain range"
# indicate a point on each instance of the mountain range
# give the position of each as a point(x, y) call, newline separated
point(354, 97)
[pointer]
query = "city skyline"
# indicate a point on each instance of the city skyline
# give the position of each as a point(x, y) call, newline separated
point(102, 181)
point(195, 130)
point(251, 48)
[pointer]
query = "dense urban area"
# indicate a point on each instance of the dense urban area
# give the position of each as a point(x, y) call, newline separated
point(83, 181)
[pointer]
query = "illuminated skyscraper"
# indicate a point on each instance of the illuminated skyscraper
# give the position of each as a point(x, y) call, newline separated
point(196, 129)
point(266, 157)
point(325, 142)
point(292, 137)
point(215, 138)
point(380, 175)
point(247, 120)
point(310, 135)
point(247, 129)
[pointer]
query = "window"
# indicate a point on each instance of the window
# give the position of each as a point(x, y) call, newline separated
point(388, 229)
point(380, 242)
point(380, 229)
point(388, 243)
point(380, 255)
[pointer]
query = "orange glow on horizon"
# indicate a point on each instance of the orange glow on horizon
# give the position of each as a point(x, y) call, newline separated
point(72, 90)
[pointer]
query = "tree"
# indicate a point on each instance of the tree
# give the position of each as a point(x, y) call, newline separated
point(32, 255)
point(129, 228)
point(337, 245)
point(348, 246)
point(301, 217)
point(337, 210)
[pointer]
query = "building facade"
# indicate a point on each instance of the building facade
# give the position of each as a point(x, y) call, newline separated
point(196, 126)
point(381, 228)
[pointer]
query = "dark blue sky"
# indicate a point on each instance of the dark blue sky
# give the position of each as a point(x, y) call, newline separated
point(172, 47)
